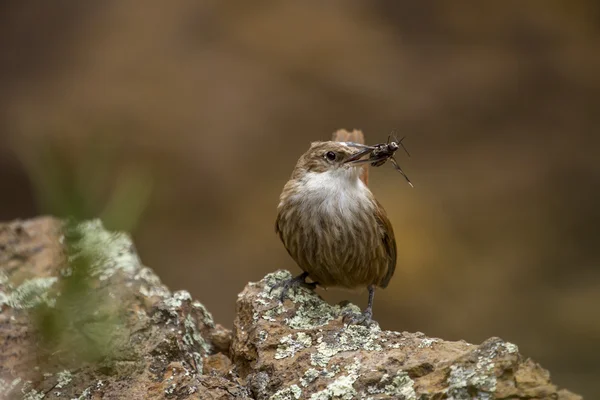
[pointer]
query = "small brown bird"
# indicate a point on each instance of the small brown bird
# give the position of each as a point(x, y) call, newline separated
point(332, 225)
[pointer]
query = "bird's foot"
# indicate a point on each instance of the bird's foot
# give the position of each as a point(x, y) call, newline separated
point(293, 283)
point(365, 318)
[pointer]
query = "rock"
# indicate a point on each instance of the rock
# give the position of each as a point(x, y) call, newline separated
point(302, 350)
point(157, 346)
point(82, 318)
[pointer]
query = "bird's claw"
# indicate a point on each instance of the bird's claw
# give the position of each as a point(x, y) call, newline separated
point(285, 287)
point(365, 318)
point(292, 283)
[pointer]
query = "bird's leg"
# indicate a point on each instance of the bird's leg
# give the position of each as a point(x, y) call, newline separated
point(368, 313)
point(299, 280)
point(366, 317)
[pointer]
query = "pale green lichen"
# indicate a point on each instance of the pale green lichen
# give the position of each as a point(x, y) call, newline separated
point(271, 314)
point(208, 319)
point(361, 337)
point(110, 251)
point(171, 389)
point(84, 395)
point(262, 336)
point(291, 393)
point(195, 341)
point(176, 300)
point(309, 376)
point(427, 343)
point(266, 296)
point(29, 393)
point(273, 279)
point(342, 387)
point(30, 293)
point(331, 372)
point(511, 348)
point(311, 311)
point(34, 395)
point(151, 285)
point(378, 389)
point(197, 346)
point(480, 376)
point(310, 316)
point(7, 387)
point(461, 378)
point(402, 387)
point(262, 301)
point(353, 337)
point(396, 345)
point(64, 378)
point(323, 354)
point(288, 346)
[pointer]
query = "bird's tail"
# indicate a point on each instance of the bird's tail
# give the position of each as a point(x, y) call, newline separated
point(355, 136)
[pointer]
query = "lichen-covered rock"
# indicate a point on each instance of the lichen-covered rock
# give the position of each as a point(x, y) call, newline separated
point(82, 318)
point(144, 342)
point(302, 350)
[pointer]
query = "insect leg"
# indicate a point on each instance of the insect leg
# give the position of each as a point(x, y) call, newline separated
point(404, 147)
point(395, 163)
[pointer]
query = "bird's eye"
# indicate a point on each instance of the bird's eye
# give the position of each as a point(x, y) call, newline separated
point(330, 155)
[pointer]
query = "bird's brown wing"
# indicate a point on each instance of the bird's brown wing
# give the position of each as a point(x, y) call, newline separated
point(277, 229)
point(280, 234)
point(389, 244)
point(355, 136)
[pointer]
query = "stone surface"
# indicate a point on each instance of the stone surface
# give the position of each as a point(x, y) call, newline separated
point(159, 343)
point(120, 333)
point(302, 349)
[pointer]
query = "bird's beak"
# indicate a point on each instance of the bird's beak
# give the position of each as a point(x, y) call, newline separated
point(356, 157)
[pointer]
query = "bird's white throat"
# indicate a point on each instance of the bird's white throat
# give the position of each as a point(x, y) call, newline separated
point(336, 192)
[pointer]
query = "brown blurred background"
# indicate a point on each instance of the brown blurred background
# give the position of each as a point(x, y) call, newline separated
point(197, 111)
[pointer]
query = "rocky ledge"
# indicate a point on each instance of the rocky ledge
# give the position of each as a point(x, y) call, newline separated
point(117, 332)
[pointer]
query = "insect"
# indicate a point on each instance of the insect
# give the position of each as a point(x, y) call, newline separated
point(380, 153)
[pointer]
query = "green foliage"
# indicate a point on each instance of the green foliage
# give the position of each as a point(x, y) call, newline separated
point(85, 322)
point(77, 183)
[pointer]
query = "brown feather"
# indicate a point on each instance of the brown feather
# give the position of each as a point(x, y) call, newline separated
point(389, 243)
point(331, 224)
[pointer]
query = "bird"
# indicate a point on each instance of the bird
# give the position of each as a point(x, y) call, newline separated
point(332, 225)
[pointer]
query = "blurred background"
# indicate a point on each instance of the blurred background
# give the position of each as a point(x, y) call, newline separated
point(182, 121)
